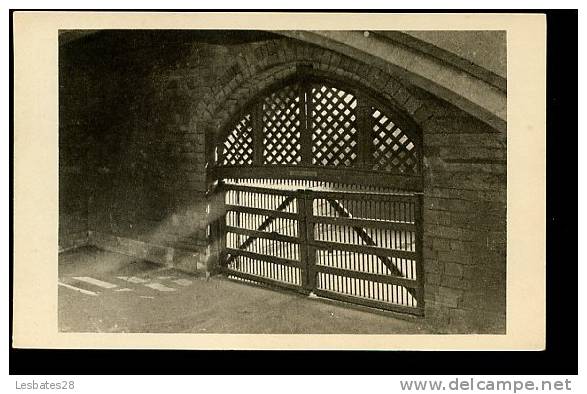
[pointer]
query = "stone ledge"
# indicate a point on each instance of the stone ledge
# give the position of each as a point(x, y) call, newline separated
point(185, 260)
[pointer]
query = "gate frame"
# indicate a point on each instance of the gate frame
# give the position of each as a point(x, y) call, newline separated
point(307, 248)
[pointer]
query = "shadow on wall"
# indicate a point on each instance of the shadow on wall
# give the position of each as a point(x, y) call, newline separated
point(172, 241)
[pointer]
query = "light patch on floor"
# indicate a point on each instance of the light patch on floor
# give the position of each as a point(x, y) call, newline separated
point(83, 291)
point(125, 289)
point(132, 279)
point(96, 282)
point(206, 305)
point(182, 282)
point(159, 287)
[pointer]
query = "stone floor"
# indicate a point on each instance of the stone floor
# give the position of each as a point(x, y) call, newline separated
point(106, 292)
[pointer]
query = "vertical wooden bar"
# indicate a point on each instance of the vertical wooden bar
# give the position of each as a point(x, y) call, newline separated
point(306, 234)
point(418, 201)
point(305, 95)
point(221, 226)
point(364, 125)
point(257, 124)
point(212, 263)
point(311, 249)
point(303, 244)
point(217, 148)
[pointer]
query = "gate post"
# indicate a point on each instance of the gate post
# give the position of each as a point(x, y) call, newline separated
point(217, 229)
point(306, 235)
point(419, 201)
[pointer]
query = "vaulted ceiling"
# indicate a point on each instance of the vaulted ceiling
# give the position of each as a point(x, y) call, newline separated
point(467, 69)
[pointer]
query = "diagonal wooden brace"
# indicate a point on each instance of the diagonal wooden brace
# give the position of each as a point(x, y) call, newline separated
point(288, 200)
point(339, 208)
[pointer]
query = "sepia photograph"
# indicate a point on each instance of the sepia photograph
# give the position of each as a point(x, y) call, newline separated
point(282, 182)
point(264, 193)
point(308, 181)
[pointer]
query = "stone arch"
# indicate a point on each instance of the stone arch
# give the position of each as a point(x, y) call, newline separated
point(276, 60)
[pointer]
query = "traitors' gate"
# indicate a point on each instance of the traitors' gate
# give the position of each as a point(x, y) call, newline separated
point(320, 192)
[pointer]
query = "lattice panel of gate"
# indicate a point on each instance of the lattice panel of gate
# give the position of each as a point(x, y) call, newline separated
point(334, 130)
point(238, 145)
point(393, 150)
point(281, 127)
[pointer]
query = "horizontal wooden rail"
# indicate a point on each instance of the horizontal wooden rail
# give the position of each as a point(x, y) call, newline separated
point(259, 189)
point(418, 311)
point(392, 280)
point(376, 251)
point(261, 211)
point(274, 236)
point(346, 195)
point(262, 279)
point(359, 195)
point(323, 173)
point(264, 257)
point(370, 223)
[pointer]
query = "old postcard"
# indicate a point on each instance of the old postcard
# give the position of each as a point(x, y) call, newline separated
point(281, 181)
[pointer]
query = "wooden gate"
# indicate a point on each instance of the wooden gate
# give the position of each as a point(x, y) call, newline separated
point(353, 244)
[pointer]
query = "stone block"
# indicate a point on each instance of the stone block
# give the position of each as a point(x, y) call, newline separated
point(449, 297)
point(455, 256)
point(441, 244)
point(455, 282)
point(453, 269)
point(433, 266)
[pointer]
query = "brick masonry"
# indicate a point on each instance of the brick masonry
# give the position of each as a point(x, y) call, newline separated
point(464, 223)
point(74, 110)
point(138, 123)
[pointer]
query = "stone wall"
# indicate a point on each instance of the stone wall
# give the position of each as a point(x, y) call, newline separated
point(464, 221)
point(143, 140)
point(74, 119)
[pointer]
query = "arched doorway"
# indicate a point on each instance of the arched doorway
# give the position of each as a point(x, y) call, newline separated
point(321, 183)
